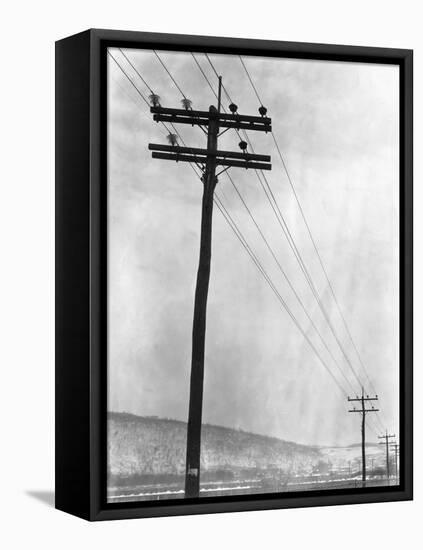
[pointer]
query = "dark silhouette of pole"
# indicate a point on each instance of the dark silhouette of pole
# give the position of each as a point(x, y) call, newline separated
point(363, 412)
point(207, 161)
point(192, 478)
point(386, 437)
point(363, 446)
point(395, 446)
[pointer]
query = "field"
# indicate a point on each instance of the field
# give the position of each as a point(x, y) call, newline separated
point(146, 461)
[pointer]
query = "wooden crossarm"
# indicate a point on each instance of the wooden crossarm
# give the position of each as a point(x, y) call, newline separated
point(201, 159)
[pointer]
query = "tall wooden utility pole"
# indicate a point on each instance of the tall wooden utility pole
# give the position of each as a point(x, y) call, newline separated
point(386, 437)
point(207, 160)
point(363, 412)
point(395, 446)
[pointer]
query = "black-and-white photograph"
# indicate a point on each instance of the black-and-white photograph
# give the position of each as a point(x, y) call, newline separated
point(252, 275)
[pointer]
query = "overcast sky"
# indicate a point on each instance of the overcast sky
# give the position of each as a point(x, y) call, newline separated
point(337, 127)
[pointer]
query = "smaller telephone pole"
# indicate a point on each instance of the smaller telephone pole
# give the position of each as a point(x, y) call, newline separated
point(363, 399)
point(395, 446)
point(386, 437)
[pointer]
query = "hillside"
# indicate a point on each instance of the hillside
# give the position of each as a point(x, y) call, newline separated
point(149, 447)
point(340, 457)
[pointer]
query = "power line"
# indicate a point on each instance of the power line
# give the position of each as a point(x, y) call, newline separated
point(251, 80)
point(168, 72)
point(145, 100)
point(215, 72)
point(284, 228)
point(322, 263)
point(238, 233)
point(298, 256)
point(134, 101)
point(211, 86)
point(199, 176)
point(211, 158)
point(287, 279)
point(286, 231)
point(289, 236)
point(129, 78)
point(141, 94)
point(224, 89)
point(311, 237)
point(136, 88)
point(244, 243)
point(204, 74)
point(135, 69)
point(282, 301)
point(318, 255)
point(291, 241)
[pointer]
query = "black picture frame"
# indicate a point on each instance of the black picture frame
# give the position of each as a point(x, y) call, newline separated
point(81, 274)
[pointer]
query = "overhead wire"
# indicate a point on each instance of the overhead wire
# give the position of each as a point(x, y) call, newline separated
point(238, 233)
point(298, 256)
point(135, 69)
point(283, 303)
point(216, 73)
point(254, 257)
point(285, 229)
point(135, 87)
point(211, 87)
point(332, 291)
point(287, 279)
point(168, 72)
point(283, 224)
point(296, 252)
point(365, 371)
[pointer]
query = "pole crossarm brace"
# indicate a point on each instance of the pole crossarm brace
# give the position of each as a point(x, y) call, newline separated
point(205, 152)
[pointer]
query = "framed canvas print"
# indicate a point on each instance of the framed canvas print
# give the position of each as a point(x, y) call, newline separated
point(233, 274)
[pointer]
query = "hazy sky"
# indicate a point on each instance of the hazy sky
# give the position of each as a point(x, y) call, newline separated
point(337, 126)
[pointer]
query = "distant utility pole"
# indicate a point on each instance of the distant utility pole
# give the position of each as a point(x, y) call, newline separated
point(395, 446)
point(363, 412)
point(207, 160)
point(386, 437)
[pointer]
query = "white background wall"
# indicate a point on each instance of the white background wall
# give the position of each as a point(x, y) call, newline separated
point(29, 30)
